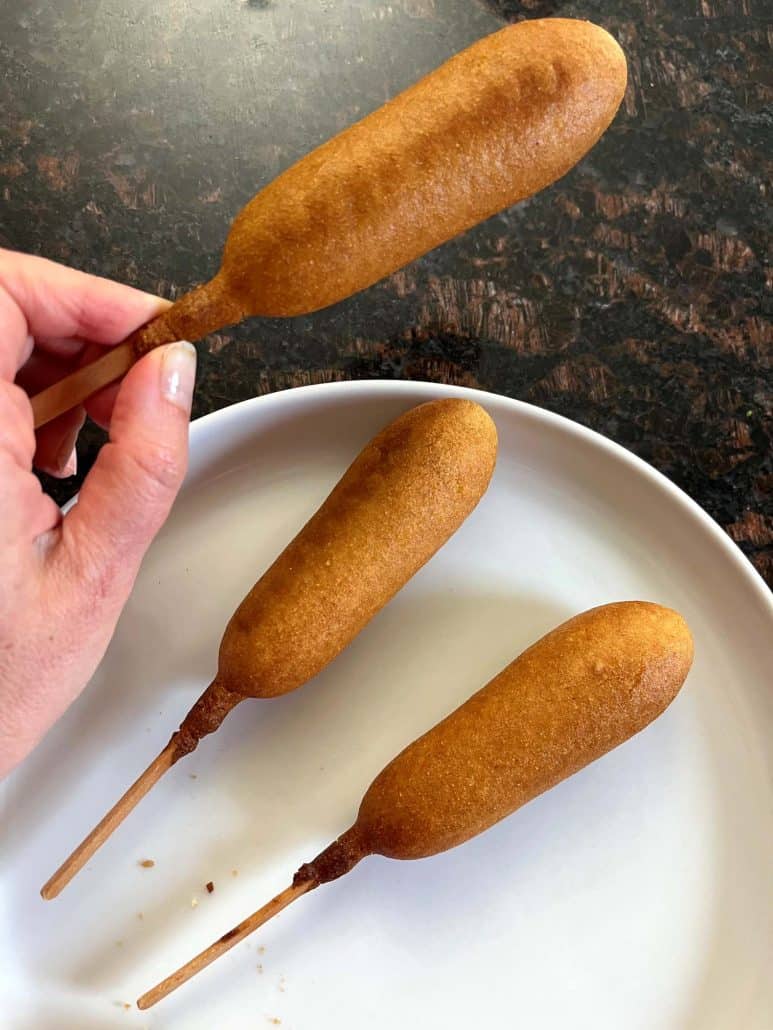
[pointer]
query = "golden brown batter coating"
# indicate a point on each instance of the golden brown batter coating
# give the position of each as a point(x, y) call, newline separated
point(496, 123)
point(577, 693)
point(407, 492)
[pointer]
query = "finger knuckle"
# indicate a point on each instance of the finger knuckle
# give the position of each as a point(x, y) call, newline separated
point(162, 468)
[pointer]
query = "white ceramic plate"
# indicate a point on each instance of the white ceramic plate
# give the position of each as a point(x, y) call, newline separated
point(636, 896)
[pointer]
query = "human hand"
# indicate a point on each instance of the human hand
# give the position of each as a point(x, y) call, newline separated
point(64, 581)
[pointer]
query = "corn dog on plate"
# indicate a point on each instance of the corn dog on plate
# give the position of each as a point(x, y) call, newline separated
point(637, 893)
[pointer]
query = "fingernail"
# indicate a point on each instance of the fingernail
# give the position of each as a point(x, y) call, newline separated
point(29, 346)
point(178, 373)
point(70, 467)
point(66, 465)
point(66, 457)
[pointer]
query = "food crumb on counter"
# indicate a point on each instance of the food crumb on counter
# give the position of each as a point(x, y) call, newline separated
point(194, 902)
point(193, 776)
point(234, 872)
point(210, 887)
point(146, 863)
point(140, 915)
point(260, 967)
point(274, 1019)
point(261, 950)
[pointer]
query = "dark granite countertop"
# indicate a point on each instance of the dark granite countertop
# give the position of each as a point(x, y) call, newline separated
point(629, 297)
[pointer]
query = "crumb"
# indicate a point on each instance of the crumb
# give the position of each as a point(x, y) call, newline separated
point(193, 776)
point(261, 950)
point(194, 902)
point(282, 984)
point(210, 887)
point(234, 872)
point(140, 915)
point(260, 967)
point(126, 1005)
point(147, 863)
point(274, 1019)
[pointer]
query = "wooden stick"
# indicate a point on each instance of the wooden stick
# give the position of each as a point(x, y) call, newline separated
point(224, 944)
point(112, 820)
point(76, 387)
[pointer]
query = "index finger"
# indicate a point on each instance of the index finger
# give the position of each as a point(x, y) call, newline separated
point(40, 298)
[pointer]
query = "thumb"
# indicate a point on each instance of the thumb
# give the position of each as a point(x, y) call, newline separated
point(128, 493)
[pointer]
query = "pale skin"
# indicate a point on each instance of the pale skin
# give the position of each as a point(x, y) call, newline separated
point(64, 580)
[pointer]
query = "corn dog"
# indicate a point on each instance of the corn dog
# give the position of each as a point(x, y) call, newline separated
point(406, 493)
point(580, 691)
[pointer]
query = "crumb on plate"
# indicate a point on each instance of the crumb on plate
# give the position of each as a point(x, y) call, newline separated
point(147, 863)
point(210, 887)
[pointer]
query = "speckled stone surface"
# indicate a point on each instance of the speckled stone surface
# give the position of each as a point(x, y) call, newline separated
point(631, 297)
